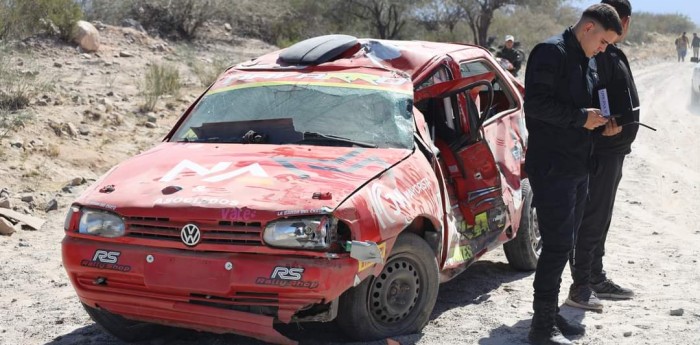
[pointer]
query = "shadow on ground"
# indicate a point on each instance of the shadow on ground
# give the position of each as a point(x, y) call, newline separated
point(517, 333)
point(470, 288)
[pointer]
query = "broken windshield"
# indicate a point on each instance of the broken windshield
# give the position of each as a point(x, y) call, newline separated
point(275, 111)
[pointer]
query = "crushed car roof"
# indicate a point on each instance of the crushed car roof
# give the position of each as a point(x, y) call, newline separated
point(337, 52)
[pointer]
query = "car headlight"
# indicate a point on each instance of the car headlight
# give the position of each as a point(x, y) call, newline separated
point(303, 233)
point(101, 223)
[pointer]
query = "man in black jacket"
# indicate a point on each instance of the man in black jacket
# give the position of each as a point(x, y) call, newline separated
point(560, 116)
point(608, 155)
point(511, 54)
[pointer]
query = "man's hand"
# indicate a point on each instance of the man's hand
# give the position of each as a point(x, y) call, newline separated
point(611, 128)
point(595, 119)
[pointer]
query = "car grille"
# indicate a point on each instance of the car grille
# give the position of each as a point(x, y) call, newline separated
point(221, 232)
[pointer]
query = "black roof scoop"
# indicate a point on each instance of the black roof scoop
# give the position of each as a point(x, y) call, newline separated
point(317, 50)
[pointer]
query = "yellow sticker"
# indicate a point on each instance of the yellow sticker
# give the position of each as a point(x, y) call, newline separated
point(363, 265)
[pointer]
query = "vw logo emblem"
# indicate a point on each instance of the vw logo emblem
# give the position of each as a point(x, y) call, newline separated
point(190, 235)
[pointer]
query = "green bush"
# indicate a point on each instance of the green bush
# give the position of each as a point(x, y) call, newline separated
point(22, 18)
point(159, 80)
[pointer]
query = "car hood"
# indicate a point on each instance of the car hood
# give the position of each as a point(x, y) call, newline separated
point(289, 179)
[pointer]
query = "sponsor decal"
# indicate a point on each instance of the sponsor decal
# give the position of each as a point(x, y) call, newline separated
point(342, 164)
point(302, 212)
point(287, 277)
point(388, 214)
point(105, 259)
point(363, 265)
point(217, 173)
point(333, 78)
point(196, 201)
point(100, 204)
point(237, 214)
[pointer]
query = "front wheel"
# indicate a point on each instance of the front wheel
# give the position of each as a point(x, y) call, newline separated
point(524, 250)
point(399, 300)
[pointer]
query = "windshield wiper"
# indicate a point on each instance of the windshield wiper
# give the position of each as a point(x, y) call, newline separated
point(209, 140)
point(316, 135)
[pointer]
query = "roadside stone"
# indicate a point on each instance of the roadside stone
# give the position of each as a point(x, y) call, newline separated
point(627, 334)
point(56, 127)
point(598, 326)
point(57, 65)
point(87, 36)
point(6, 227)
point(27, 198)
point(77, 181)
point(66, 189)
point(51, 205)
point(4, 193)
point(17, 144)
point(150, 125)
point(86, 56)
point(227, 26)
point(677, 312)
point(5, 202)
point(42, 103)
point(125, 53)
point(71, 129)
point(24, 244)
point(151, 117)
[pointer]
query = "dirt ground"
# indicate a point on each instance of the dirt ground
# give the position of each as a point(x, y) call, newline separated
point(653, 246)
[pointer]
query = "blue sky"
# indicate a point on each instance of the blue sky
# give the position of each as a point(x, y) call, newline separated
point(690, 8)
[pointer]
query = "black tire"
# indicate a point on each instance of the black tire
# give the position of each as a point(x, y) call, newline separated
point(124, 329)
point(524, 250)
point(399, 300)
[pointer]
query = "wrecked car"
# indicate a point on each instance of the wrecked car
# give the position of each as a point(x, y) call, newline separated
point(338, 179)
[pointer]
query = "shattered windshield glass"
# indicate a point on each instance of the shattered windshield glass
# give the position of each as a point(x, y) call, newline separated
point(280, 113)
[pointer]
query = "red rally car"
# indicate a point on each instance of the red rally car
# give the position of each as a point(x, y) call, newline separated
point(338, 179)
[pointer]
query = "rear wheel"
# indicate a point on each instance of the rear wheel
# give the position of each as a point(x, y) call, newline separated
point(399, 300)
point(124, 329)
point(523, 251)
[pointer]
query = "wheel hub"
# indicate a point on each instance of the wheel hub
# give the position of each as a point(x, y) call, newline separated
point(395, 291)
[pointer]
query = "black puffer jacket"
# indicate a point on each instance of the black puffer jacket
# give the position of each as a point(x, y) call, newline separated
point(557, 93)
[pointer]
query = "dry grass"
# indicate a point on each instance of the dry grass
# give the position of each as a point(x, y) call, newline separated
point(159, 80)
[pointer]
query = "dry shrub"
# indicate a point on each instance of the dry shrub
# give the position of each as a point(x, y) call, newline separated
point(53, 150)
point(208, 72)
point(159, 80)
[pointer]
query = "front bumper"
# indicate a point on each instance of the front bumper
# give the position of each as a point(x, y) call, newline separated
point(239, 293)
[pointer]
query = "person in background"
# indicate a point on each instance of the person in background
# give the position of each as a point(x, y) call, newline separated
point(682, 47)
point(696, 45)
point(590, 280)
point(559, 115)
point(511, 54)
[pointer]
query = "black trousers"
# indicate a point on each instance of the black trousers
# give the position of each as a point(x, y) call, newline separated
point(587, 259)
point(559, 201)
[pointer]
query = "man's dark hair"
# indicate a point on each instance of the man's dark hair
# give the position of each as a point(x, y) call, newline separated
point(623, 7)
point(605, 15)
